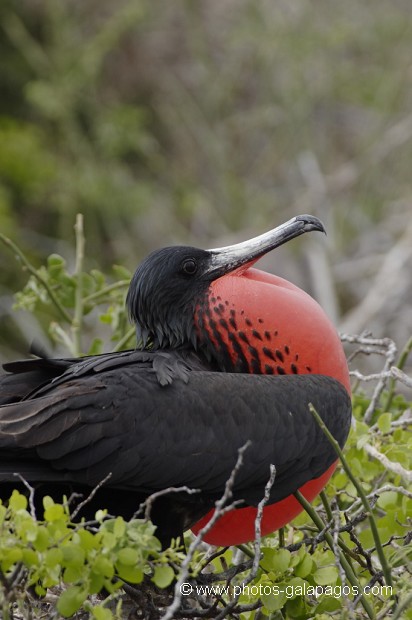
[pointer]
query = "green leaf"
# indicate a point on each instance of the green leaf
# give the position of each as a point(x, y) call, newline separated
point(12, 556)
point(121, 272)
point(296, 607)
point(30, 558)
point(388, 499)
point(96, 347)
point(71, 600)
point(86, 540)
point(275, 600)
point(163, 575)
point(304, 567)
point(128, 556)
point(328, 605)
point(326, 575)
point(384, 422)
point(54, 512)
point(119, 527)
point(52, 557)
point(102, 566)
point(73, 555)
point(129, 573)
point(277, 560)
point(17, 501)
point(42, 539)
point(102, 613)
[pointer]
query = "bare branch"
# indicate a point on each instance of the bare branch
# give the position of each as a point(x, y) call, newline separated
point(90, 496)
point(381, 346)
point(221, 508)
point(148, 503)
point(257, 544)
point(396, 468)
point(31, 494)
point(401, 376)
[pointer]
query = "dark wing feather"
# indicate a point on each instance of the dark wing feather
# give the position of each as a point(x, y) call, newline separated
point(103, 416)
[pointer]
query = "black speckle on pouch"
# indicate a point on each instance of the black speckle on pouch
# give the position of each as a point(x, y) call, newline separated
point(269, 353)
point(279, 355)
point(243, 337)
point(256, 335)
point(224, 324)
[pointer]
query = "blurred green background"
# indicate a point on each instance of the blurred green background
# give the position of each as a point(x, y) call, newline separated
point(206, 122)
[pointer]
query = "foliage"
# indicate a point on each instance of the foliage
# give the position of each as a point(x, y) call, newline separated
point(348, 555)
point(190, 120)
point(87, 558)
point(65, 300)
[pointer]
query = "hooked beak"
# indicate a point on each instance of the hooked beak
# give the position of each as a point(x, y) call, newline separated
point(229, 258)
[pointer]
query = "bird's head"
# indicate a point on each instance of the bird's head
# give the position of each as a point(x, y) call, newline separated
point(172, 288)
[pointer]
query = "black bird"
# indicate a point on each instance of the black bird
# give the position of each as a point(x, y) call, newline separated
point(176, 411)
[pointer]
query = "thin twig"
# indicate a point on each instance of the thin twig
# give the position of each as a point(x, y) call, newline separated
point(31, 494)
point(104, 291)
point(27, 265)
point(400, 365)
point(257, 545)
point(221, 508)
point(78, 304)
point(382, 346)
point(353, 580)
point(148, 503)
point(375, 494)
point(362, 495)
point(123, 341)
point(336, 541)
point(82, 504)
point(398, 374)
point(396, 468)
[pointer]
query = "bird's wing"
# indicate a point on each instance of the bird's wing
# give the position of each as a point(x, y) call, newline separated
point(108, 417)
point(26, 378)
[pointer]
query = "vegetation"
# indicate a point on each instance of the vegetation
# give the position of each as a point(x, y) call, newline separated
point(350, 555)
point(191, 121)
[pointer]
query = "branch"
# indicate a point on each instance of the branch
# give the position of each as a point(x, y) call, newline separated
point(401, 376)
point(221, 508)
point(362, 495)
point(27, 265)
point(257, 545)
point(78, 304)
point(82, 504)
point(148, 503)
point(400, 365)
point(381, 346)
point(31, 494)
point(396, 468)
point(350, 575)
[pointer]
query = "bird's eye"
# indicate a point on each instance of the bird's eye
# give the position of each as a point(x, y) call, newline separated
point(189, 266)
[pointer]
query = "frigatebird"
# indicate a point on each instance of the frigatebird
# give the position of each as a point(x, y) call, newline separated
point(226, 356)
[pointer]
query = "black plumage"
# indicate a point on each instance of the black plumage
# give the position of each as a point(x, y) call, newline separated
point(155, 420)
